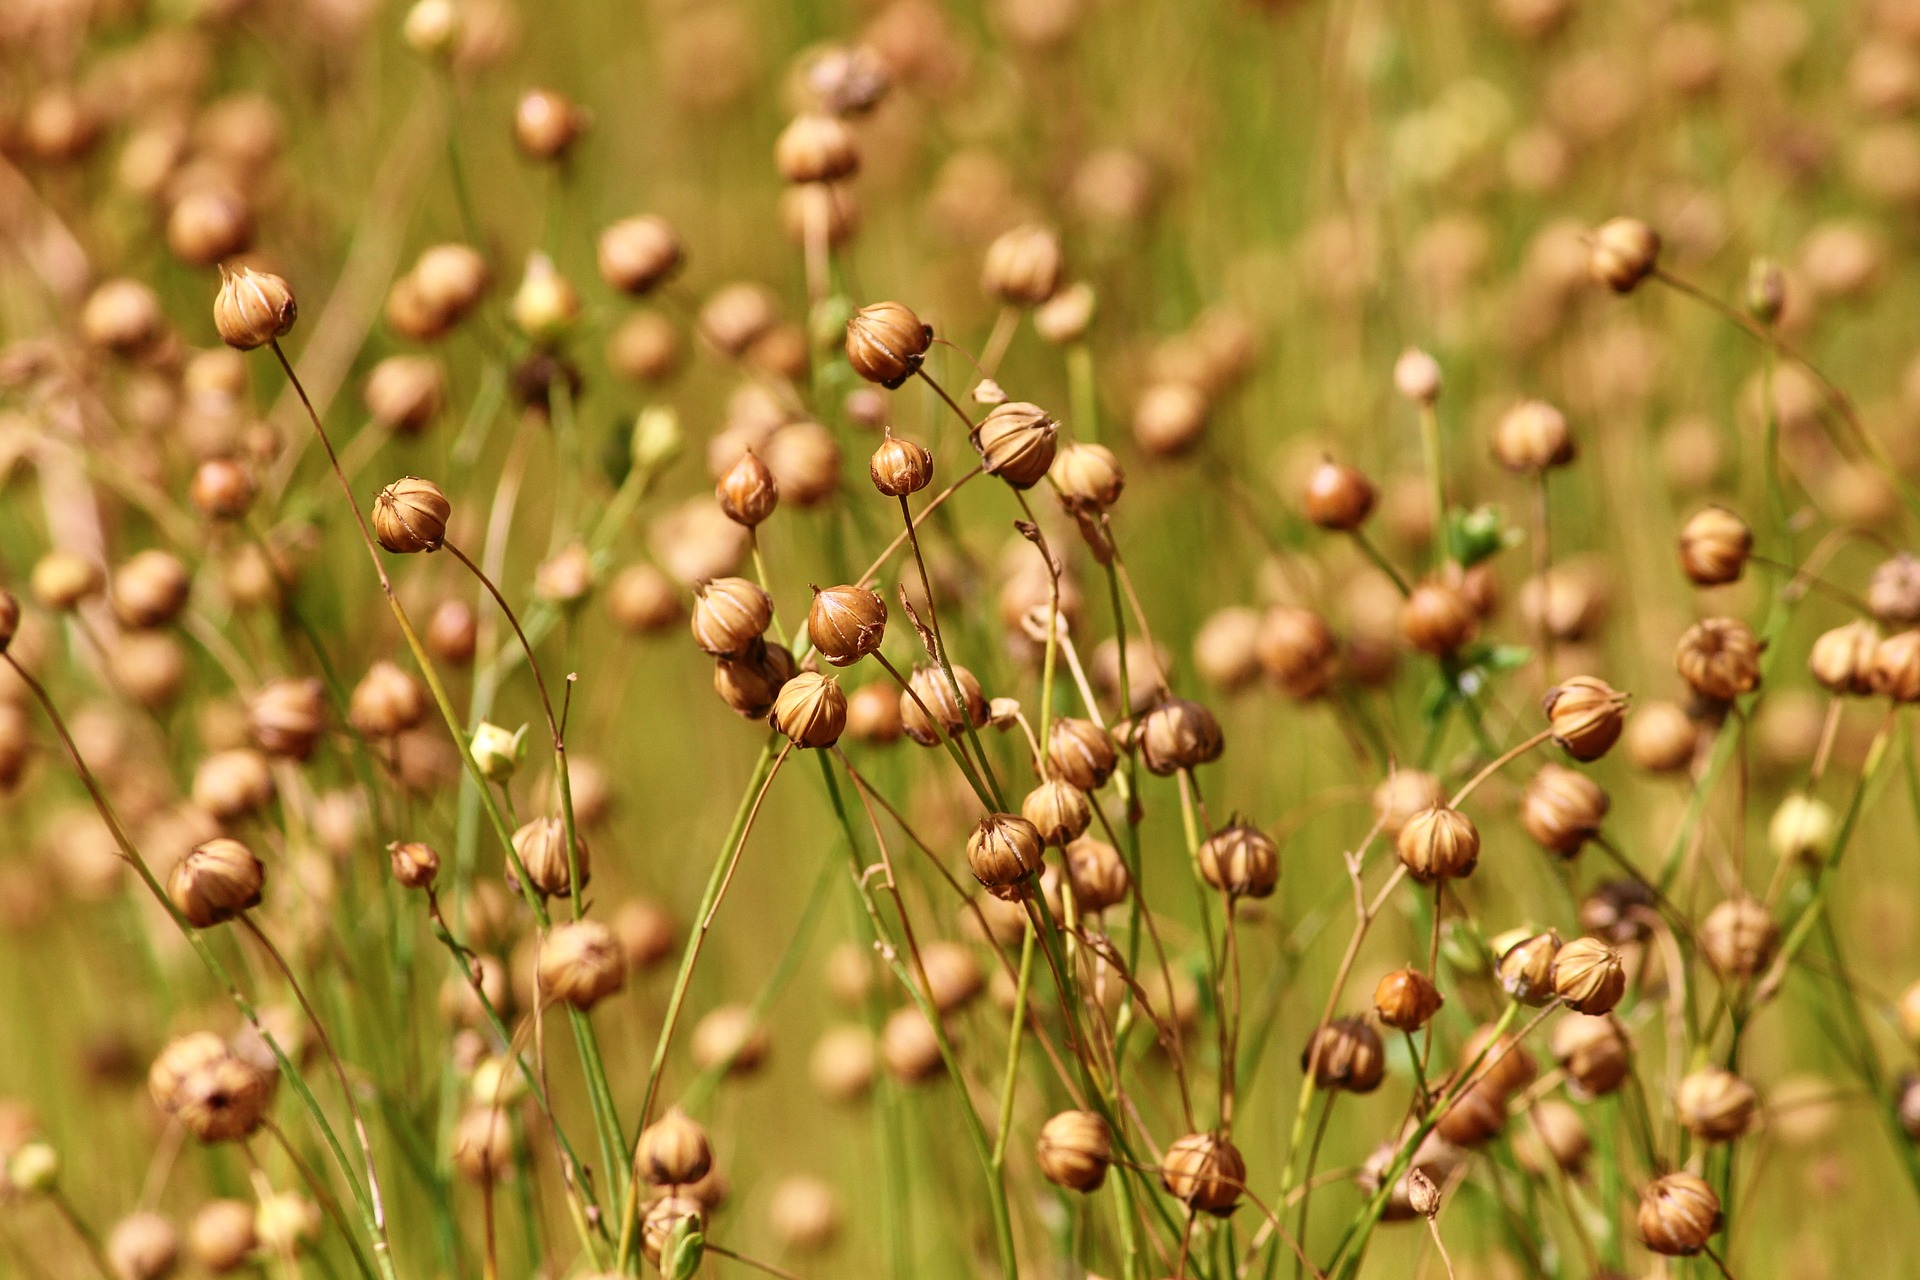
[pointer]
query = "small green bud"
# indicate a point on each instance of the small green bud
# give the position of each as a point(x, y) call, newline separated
point(34, 1167)
point(657, 437)
point(497, 752)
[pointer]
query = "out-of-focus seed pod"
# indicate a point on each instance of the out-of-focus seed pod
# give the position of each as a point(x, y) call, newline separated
point(1297, 650)
point(1562, 810)
point(1097, 874)
point(645, 348)
point(734, 316)
point(483, 1144)
point(1618, 910)
point(150, 666)
point(1555, 1137)
point(953, 976)
point(646, 931)
point(909, 1046)
point(221, 1238)
point(1404, 794)
point(1205, 1172)
point(1532, 437)
point(1177, 734)
point(61, 579)
point(1907, 1105)
point(1719, 658)
point(1345, 1054)
point(546, 304)
point(1226, 648)
point(636, 255)
point(216, 882)
point(846, 623)
point(542, 849)
point(410, 515)
point(1661, 738)
point(886, 343)
point(1586, 715)
point(142, 1247)
point(750, 683)
point(1065, 318)
point(1241, 861)
point(1715, 1105)
point(150, 589)
point(122, 316)
point(1074, 1150)
point(1714, 546)
point(405, 393)
point(930, 687)
point(232, 784)
point(900, 467)
point(1169, 418)
point(642, 600)
point(1416, 376)
point(209, 225)
point(1738, 937)
point(1058, 810)
point(804, 1213)
point(1625, 252)
point(1023, 266)
point(287, 717)
point(451, 279)
point(387, 702)
point(1802, 830)
point(1017, 442)
point(1525, 968)
point(842, 1063)
point(1339, 497)
point(1502, 1059)
point(286, 1222)
point(1893, 592)
point(1080, 752)
point(1004, 851)
point(1406, 999)
point(1842, 659)
point(1437, 618)
point(873, 715)
point(816, 148)
point(1679, 1215)
point(546, 124)
point(582, 963)
point(1440, 843)
point(453, 633)
point(415, 865)
point(805, 460)
point(673, 1151)
point(730, 1037)
point(221, 489)
point(253, 308)
point(1594, 1053)
point(729, 615)
point(811, 710)
point(1895, 670)
point(1588, 976)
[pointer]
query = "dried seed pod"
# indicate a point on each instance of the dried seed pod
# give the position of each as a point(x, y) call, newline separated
point(1586, 715)
point(546, 124)
point(729, 616)
point(1023, 266)
point(1226, 648)
point(1406, 999)
point(387, 702)
point(846, 623)
point(122, 316)
point(886, 343)
point(816, 148)
point(751, 683)
point(1594, 1053)
point(1297, 650)
point(1588, 976)
point(1525, 968)
point(1842, 659)
point(216, 882)
point(730, 1037)
point(748, 493)
point(142, 1247)
point(221, 1237)
point(232, 784)
point(287, 717)
point(1714, 546)
point(1562, 810)
point(582, 963)
point(810, 710)
point(636, 255)
point(542, 849)
point(450, 280)
point(1738, 937)
point(1476, 1116)
point(483, 1144)
point(1555, 1137)
point(646, 931)
point(900, 467)
point(1532, 437)
point(1437, 618)
point(1618, 910)
point(1176, 734)
point(1502, 1059)
point(1345, 1054)
point(1097, 874)
point(150, 589)
point(1625, 252)
point(1081, 752)
point(953, 976)
point(1661, 738)
point(1205, 1172)
point(1440, 843)
point(1339, 497)
point(930, 687)
point(404, 393)
point(909, 1046)
point(1087, 478)
point(1241, 861)
point(286, 1222)
point(673, 1151)
point(1017, 443)
point(1058, 810)
point(1074, 1150)
point(1893, 592)
point(221, 489)
point(410, 515)
point(415, 865)
point(1679, 1215)
point(1004, 851)
point(841, 1065)
point(1895, 672)
point(566, 577)
point(253, 308)
point(1719, 658)
point(1169, 418)
point(1715, 1105)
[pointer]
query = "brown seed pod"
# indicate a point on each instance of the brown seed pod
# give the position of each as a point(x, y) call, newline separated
point(816, 148)
point(221, 1237)
point(415, 865)
point(232, 784)
point(636, 255)
point(1016, 442)
point(1895, 671)
point(1588, 976)
point(841, 1065)
point(1058, 810)
point(1176, 734)
point(1087, 478)
point(1714, 546)
point(542, 849)
point(1169, 418)
point(61, 579)
point(1080, 752)
point(1719, 658)
point(846, 623)
point(1004, 851)
point(410, 515)
point(1586, 715)
point(645, 348)
point(1525, 967)
point(1297, 650)
point(221, 489)
point(1893, 592)
point(1715, 1105)
point(1205, 1172)
point(405, 393)
point(122, 316)
point(1404, 794)
point(546, 124)
point(1842, 659)
point(582, 963)
point(641, 600)
point(1562, 810)
point(483, 1144)
point(1661, 738)
point(216, 882)
point(886, 343)
point(387, 702)
point(909, 1046)
point(1440, 843)
point(1345, 1054)
point(150, 589)
point(748, 493)
point(730, 1037)
point(930, 686)
point(142, 1247)
point(1679, 1215)
point(810, 710)
point(873, 714)
point(1406, 999)
point(1074, 1150)
point(1476, 1116)
point(1339, 497)
point(1023, 266)
point(953, 976)
point(1097, 874)
point(449, 281)
point(750, 683)
point(286, 717)
point(673, 1151)
point(1532, 437)
point(646, 931)
point(729, 616)
point(1065, 318)
point(1437, 618)
point(1241, 861)
point(1618, 910)
point(253, 308)
point(1555, 1137)
point(665, 1217)
point(1594, 1053)
point(1738, 937)
point(900, 467)
point(1625, 252)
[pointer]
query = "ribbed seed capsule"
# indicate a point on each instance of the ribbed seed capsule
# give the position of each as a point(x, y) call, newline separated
point(1241, 860)
point(1176, 734)
point(1714, 546)
point(1738, 937)
point(1719, 659)
point(900, 467)
point(1074, 1150)
point(253, 308)
point(1715, 1105)
point(748, 492)
point(1081, 752)
point(1058, 810)
point(1087, 478)
point(1588, 976)
point(751, 682)
point(811, 710)
point(287, 716)
point(582, 963)
point(1679, 1215)
point(1562, 809)
point(1097, 874)
point(1345, 1054)
point(1532, 437)
point(1205, 1172)
point(1586, 715)
point(930, 687)
point(846, 623)
point(542, 849)
point(673, 1151)
point(1525, 967)
point(886, 343)
point(1297, 650)
point(1895, 671)
point(410, 515)
point(1004, 850)
point(1842, 659)
point(1625, 252)
point(1406, 999)
point(729, 615)
point(216, 882)
point(1440, 843)
point(415, 865)
point(1023, 266)
point(1594, 1053)
point(1017, 442)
